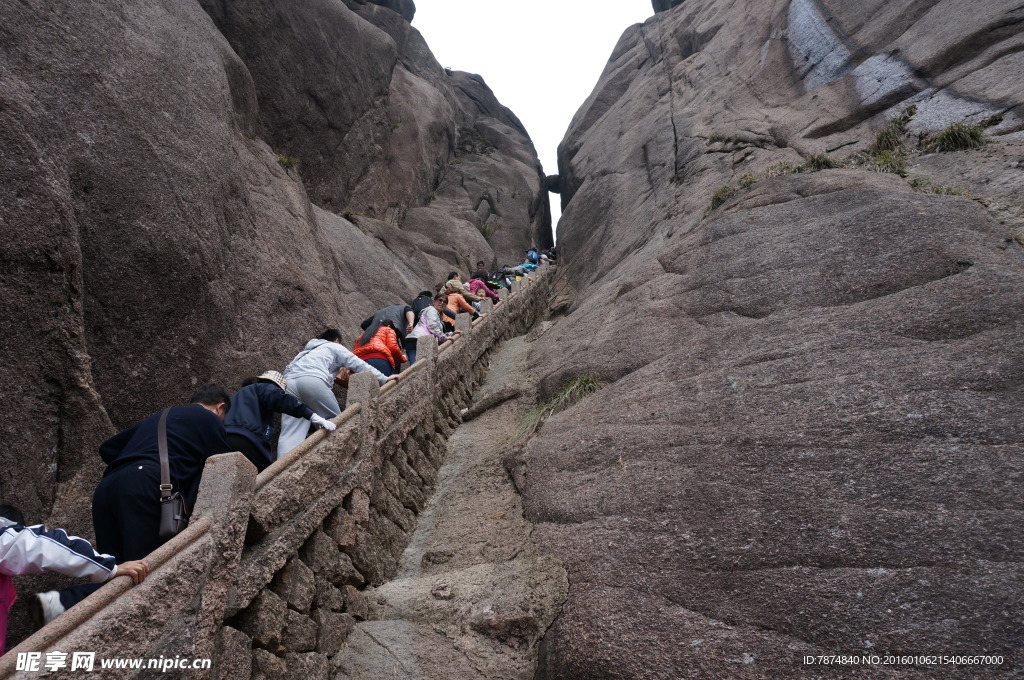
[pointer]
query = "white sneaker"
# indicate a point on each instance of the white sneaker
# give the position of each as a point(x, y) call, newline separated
point(45, 607)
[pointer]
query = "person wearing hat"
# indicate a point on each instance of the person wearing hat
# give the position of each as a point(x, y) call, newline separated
point(250, 422)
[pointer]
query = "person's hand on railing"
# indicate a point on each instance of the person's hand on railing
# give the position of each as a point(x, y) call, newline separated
point(137, 569)
point(320, 421)
point(394, 377)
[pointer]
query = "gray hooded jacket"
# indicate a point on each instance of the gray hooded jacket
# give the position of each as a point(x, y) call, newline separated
point(323, 359)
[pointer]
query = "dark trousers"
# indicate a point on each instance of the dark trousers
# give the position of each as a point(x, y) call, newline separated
point(244, 445)
point(410, 349)
point(126, 516)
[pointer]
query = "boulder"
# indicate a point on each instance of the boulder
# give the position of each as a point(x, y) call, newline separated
point(202, 152)
point(662, 5)
point(808, 438)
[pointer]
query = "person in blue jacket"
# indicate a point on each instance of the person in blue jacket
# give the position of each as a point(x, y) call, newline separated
point(250, 422)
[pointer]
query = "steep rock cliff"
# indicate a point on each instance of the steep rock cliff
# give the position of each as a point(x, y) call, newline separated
point(811, 443)
point(190, 192)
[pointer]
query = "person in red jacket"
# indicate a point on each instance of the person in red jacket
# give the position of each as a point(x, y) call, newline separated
point(382, 350)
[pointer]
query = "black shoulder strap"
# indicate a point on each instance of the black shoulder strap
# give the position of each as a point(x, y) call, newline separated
point(161, 442)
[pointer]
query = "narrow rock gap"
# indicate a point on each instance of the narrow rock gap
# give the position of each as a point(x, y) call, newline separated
point(472, 596)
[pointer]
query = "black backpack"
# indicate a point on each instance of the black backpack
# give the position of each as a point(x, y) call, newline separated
point(418, 305)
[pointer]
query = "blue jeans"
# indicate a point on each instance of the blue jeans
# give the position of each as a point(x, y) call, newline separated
point(382, 366)
point(410, 349)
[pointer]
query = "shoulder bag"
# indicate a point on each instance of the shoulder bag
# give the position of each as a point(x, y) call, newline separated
point(174, 512)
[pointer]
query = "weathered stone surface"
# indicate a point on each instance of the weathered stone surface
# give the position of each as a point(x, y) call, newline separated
point(358, 503)
point(377, 551)
point(322, 555)
point(406, 8)
point(264, 619)
point(662, 5)
point(175, 177)
point(328, 596)
point(270, 665)
point(300, 633)
point(340, 525)
point(311, 666)
point(810, 433)
point(234, 655)
point(332, 631)
point(295, 585)
point(355, 603)
point(375, 647)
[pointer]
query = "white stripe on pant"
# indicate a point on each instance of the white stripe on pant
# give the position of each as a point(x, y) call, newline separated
point(317, 395)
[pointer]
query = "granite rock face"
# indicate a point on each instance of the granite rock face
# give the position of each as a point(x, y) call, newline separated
point(662, 5)
point(191, 192)
point(811, 442)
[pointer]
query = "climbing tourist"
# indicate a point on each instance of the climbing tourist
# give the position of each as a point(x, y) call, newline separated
point(126, 504)
point(454, 285)
point(430, 323)
point(381, 351)
point(532, 256)
point(480, 272)
point(250, 422)
point(457, 303)
point(36, 549)
point(310, 376)
point(478, 287)
point(423, 301)
point(401, 317)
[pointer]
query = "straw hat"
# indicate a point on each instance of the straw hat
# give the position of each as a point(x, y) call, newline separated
point(274, 377)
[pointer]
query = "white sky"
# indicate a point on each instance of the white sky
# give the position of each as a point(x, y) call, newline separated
point(542, 58)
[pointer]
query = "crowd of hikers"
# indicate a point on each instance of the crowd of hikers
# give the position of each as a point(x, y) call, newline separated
point(161, 458)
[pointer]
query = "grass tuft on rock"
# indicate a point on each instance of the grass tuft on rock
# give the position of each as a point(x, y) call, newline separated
point(818, 161)
point(722, 194)
point(575, 391)
point(572, 392)
point(992, 121)
point(925, 186)
point(958, 137)
point(489, 228)
point(891, 136)
point(887, 161)
point(286, 162)
point(780, 168)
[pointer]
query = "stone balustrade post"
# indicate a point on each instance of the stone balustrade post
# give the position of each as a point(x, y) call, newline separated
point(426, 351)
point(503, 294)
point(464, 323)
point(225, 496)
point(487, 306)
point(363, 389)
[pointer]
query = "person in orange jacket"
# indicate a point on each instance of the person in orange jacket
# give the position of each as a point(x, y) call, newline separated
point(382, 350)
point(457, 303)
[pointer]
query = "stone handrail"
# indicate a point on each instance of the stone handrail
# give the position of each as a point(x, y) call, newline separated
point(272, 566)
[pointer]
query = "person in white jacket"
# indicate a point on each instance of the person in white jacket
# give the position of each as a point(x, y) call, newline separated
point(310, 376)
point(430, 323)
point(36, 549)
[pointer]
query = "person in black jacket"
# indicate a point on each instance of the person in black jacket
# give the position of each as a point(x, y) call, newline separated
point(250, 422)
point(126, 504)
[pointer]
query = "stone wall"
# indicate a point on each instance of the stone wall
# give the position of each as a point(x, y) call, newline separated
point(267, 580)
